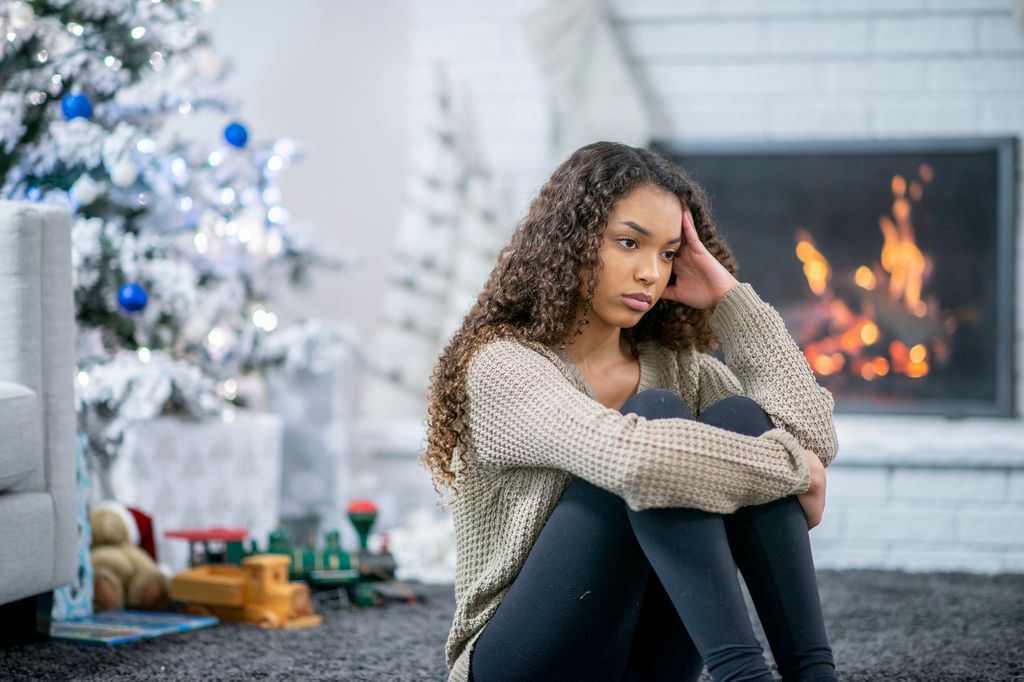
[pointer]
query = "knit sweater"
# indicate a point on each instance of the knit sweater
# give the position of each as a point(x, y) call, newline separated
point(534, 423)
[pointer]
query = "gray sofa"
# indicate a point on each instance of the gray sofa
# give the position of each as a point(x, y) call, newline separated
point(38, 520)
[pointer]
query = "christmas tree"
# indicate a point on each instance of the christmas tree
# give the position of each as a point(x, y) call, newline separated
point(178, 244)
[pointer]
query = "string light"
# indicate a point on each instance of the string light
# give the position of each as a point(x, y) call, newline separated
point(179, 168)
point(277, 215)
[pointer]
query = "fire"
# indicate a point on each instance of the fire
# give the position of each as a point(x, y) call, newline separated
point(897, 331)
point(816, 267)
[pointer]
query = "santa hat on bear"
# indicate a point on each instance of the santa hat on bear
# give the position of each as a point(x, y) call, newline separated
point(139, 524)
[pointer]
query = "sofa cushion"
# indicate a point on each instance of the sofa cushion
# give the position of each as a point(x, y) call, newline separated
point(28, 539)
point(21, 442)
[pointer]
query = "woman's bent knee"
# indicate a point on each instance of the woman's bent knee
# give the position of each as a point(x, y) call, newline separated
point(738, 413)
point(657, 403)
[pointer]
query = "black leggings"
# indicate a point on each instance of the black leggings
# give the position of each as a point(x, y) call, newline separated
point(587, 606)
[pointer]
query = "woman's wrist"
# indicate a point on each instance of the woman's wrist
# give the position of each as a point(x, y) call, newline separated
point(735, 283)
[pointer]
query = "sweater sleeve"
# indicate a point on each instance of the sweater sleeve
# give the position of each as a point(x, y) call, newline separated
point(523, 412)
point(765, 364)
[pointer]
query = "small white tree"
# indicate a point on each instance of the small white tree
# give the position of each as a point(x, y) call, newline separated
point(446, 244)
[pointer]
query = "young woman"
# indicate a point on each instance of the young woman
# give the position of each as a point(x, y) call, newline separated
point(599, 522)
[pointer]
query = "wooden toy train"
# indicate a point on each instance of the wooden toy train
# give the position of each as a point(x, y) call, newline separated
point(257, 592)
point(358, 572)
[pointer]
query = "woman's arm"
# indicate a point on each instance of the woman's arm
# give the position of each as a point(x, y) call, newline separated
point(766, 365)
point(522, 412)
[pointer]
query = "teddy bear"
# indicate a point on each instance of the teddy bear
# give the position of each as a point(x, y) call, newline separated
point(124, 576)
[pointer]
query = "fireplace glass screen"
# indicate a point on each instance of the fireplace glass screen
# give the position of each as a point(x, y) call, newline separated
point(891, 262)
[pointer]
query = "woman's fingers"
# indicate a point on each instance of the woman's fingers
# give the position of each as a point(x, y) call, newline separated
point(690, 232)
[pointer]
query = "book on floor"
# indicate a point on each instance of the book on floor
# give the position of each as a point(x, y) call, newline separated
point(108, 628)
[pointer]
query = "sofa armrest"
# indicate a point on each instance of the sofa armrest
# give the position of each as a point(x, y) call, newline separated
point(37, 350)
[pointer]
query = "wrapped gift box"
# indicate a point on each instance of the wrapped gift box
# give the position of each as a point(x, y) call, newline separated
point(193, 474)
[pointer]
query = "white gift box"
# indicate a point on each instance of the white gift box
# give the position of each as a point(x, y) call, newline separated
point(197, 474)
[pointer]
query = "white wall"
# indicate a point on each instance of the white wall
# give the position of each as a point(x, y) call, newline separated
point(334, 76)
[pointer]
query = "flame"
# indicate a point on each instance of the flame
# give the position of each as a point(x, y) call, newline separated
point(816, 267)
point(861, 345)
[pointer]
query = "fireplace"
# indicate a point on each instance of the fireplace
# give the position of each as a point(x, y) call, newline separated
point(891, 261)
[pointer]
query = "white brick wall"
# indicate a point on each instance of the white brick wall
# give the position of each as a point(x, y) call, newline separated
point(796, 69)
point(921, 519)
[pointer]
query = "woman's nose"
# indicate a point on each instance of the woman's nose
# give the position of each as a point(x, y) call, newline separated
point(647, 271)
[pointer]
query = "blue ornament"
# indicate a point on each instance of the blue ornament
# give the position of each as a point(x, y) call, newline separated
point(236, 135)
point(132, 297)
point(75, 106)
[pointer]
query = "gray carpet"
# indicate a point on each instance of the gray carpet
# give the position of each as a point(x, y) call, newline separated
point(883, 625)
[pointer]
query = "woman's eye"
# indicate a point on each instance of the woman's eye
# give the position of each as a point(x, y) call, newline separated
point(671, 254)
point(627, 239)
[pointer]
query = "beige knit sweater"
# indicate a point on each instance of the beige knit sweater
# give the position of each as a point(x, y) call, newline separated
point(534, 423)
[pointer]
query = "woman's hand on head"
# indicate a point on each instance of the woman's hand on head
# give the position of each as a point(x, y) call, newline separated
point(813, 500)
point(701, 281)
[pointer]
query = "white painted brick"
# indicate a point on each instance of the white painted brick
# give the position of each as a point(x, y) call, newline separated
point(711, 117)
point(969, 5)
point(874, 75)
point(900, 523)
point(1013, 562)
point(766, 77)
point(997, 527)
point(672, 39)
point(944, 560)
point(1003, 114)
point(991, 74)
point(856, 483)
point(841, 559)
point(684, 81)
point(817, 118)
point(816, 36)
point(948, 484)
point(999, 33)
point(947, 34)
point(833, 7)
point(673, 81)
point(831, 527)
point(648, 10)
point(925, 115)
point(1016, 491)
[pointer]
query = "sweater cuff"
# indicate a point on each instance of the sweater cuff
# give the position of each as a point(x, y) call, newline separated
point(796, 451)
point(733, 306)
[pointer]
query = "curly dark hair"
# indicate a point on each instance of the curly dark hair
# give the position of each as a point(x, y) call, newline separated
point(535, 291)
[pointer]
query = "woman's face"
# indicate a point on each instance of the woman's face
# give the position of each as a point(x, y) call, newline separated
point(643, 234)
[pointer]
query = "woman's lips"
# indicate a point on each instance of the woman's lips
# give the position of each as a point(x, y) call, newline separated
point(636, 303)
